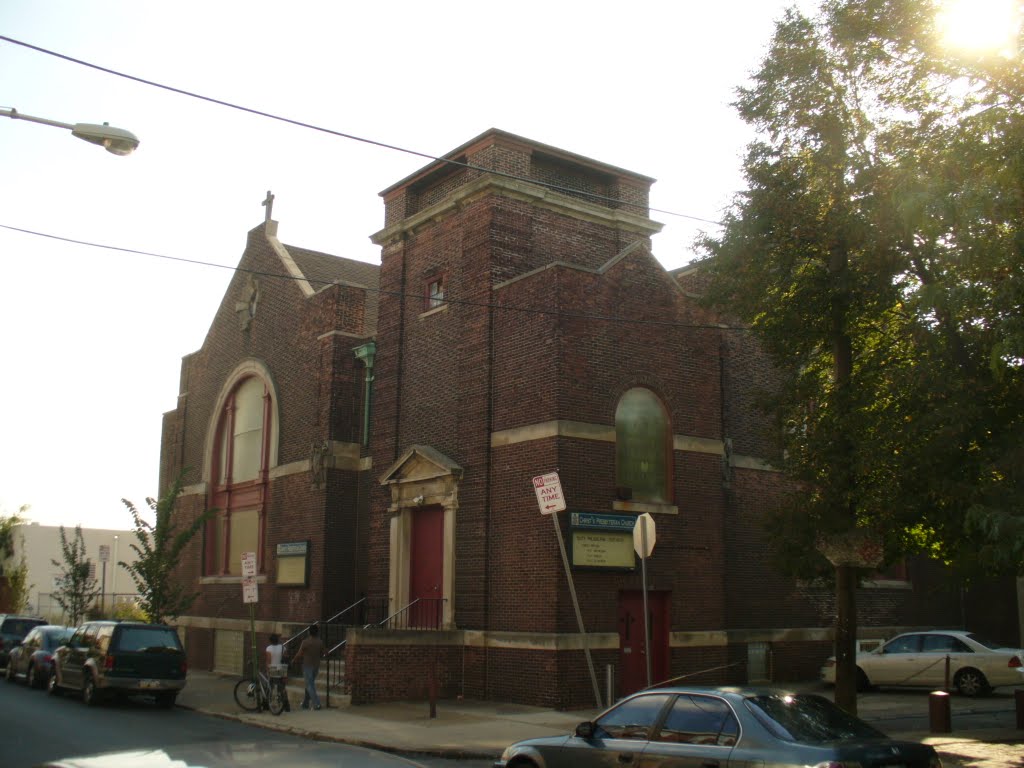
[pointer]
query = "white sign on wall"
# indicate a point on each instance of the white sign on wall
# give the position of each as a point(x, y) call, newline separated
point(248, 565)
point(250, 594)
point(549, 493)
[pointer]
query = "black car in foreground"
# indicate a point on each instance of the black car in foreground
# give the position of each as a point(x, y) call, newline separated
point(33, 659)
point(13, 629)
point(121, 657)
point(718, 727)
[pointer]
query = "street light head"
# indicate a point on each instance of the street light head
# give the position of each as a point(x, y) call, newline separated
point(115, 140)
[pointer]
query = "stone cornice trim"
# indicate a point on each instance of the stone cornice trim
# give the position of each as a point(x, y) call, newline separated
point(572, 641)
point(526, 191)
point(270, 231)
point(603, 433)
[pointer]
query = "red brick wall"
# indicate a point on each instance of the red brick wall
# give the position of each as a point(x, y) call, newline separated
point(320, 390)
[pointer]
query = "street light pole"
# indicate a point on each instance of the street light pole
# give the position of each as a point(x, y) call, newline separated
point(115, 140)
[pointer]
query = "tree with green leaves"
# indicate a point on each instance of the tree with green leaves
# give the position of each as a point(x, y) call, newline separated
point(76, 585)
point(13, 567)
point(159, 546)
point(877, 254)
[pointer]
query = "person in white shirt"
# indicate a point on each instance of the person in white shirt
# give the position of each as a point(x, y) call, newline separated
point(274, 654)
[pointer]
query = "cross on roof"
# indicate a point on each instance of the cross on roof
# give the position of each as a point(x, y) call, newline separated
point(269, 205)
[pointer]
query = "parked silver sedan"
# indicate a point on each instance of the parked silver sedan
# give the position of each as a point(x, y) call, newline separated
point(721, 726)
point(976, 665)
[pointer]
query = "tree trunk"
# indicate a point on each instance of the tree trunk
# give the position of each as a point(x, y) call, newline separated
point(846, 638)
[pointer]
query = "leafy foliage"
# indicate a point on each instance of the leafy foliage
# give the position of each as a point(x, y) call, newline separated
point(76, 589)
point(16, 573)
point(162, 596)
point(8, 526)
point(878, 253)
point(18, 586)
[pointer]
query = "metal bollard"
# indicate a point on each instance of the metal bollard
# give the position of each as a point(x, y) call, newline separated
point(610, 683)
point(939, 717)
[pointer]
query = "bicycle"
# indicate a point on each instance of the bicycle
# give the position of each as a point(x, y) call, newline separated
point(259, 694)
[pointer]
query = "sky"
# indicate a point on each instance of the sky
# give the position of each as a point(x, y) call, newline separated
point(91, 339)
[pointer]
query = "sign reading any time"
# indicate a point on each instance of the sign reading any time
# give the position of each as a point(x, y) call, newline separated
point(248, 565)
point(249, 590)
point(549, 493)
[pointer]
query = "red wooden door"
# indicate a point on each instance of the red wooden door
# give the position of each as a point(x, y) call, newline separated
point(632, 651)
point(426, 567)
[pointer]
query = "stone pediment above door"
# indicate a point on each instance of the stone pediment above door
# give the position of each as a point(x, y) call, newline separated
point(420, 477)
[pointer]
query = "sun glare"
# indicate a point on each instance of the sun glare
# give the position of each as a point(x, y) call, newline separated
point(981, 25)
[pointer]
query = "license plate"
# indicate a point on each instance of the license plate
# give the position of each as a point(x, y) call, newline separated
point(149, 684)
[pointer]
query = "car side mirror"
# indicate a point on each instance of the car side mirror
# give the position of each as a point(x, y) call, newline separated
point(585, 730)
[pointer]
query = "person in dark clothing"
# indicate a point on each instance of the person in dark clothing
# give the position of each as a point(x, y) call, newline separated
point(310, 651)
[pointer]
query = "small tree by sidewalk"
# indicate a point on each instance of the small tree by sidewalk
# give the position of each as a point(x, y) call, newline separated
point(160, 544)
point(14, 586)
point(77, 587)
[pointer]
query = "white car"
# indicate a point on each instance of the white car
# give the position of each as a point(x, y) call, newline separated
point(976, 665)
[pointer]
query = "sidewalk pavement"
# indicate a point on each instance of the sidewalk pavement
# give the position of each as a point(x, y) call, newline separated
point(482, 729)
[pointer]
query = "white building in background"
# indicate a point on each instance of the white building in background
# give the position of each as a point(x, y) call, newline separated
point(104, 549)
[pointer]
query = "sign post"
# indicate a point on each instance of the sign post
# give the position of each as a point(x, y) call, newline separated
point(643, 543)
point(250, 596)
point(104, 556)
point(550, 500)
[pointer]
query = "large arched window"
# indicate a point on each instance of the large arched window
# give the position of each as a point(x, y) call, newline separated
point(238, 475)
point(643, 447)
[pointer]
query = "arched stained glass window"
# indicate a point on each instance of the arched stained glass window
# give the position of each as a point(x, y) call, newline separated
point(643, 447)
point(239, 477)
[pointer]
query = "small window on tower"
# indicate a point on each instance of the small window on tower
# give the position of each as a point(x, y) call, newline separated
point(435, 292)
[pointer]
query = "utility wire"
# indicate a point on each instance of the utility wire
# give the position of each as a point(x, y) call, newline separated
point(352, 137)
point(401, 294)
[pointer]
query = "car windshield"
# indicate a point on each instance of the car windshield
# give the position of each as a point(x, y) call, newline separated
point(985, 641)
point(53, 640)
point(807, 718)
point(19, 626)
point(147, 639)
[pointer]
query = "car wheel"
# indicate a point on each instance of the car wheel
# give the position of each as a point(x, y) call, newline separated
point(51, 686)
point(863, 684)
point(9, 673)
point(971, 682)
point(34, 681)
point(89, 695)
point(166, 699)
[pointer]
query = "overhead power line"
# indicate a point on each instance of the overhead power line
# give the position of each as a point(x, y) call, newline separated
point(401, 294)
point(350, 136)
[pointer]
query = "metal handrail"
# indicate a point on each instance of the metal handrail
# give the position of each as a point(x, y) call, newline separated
point(438, 603)
point(328, 621)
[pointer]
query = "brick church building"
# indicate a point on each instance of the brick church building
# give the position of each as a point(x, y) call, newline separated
point(372, 434)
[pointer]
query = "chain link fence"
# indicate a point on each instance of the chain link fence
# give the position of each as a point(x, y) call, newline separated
point(110, 605)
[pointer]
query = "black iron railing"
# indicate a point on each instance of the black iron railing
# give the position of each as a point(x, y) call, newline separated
point(368, 613)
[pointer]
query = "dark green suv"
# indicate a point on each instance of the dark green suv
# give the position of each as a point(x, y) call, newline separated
point(125, 657)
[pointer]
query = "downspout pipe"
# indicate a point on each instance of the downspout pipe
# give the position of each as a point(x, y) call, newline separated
point(366, 352)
